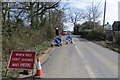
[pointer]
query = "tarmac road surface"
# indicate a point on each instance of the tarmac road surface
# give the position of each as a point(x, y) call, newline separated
point(83, 59)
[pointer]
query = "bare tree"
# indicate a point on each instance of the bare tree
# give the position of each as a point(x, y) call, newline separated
point(76, 15)
point(30, 11)
point(93, 12)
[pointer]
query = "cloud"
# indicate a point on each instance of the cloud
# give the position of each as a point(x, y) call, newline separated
point(68, 26)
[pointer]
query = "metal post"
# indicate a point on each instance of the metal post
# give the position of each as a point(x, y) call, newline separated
point(104, 14)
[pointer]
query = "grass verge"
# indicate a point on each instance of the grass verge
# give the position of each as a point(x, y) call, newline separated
point(109, 44)
point(12, 73)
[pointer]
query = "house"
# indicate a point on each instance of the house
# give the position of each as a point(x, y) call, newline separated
point(116, 26)
point(116, 31)
point(108, 26)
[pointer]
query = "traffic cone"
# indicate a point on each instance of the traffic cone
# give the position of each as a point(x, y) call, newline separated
point(72, 42)
point(39, 72)
point(66, 42)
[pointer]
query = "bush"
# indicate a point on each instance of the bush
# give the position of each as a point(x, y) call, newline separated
point(24, 39)
point(84, 33)
point(94, 34)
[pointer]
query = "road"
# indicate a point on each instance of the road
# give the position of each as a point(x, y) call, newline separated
point(83, 59)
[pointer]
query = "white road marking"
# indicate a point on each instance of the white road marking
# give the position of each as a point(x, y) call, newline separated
point(106, 61)
point(87, 67)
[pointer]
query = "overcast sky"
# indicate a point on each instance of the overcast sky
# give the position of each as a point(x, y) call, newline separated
point(111, 9)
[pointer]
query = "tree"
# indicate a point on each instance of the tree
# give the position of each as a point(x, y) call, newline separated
point(93, 12)
point(32, 13)
point(76, 15)
point(30, 24)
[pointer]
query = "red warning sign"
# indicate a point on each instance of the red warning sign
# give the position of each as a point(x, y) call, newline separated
point(22, 60)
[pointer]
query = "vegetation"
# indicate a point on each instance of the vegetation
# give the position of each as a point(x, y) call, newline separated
point(91, 25)
point(109, 44)
point(92, 31)
point(98, 35)
point(93, 34)
point(29, 26)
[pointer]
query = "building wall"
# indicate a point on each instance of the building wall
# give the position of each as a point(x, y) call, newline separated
point(119, 11)
point(116, 37)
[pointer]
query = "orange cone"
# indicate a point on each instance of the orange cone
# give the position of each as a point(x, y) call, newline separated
point(66, 42)
point(39, 72)
point(73, 42)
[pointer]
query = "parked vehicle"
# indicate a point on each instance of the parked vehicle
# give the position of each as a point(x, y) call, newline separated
point(65, 33)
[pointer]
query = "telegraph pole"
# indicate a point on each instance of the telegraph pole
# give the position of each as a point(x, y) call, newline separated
point(104, 14)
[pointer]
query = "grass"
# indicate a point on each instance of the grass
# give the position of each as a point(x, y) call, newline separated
point(109, 44)
point(23, 39)
point(14, 73)
point(42, 47)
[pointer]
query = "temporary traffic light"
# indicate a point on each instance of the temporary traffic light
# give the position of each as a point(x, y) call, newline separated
point(57, 31)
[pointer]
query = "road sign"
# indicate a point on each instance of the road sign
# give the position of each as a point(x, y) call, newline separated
point(22, 60)
point(68, 39)
point(58, 40)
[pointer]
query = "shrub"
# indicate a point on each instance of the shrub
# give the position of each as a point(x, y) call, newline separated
point(24, 39)
point(94, 34)
point(84, 33)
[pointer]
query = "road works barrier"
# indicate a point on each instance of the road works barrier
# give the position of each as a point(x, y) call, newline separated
point(69, 40)
point(72, 42)
point(57, 42)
